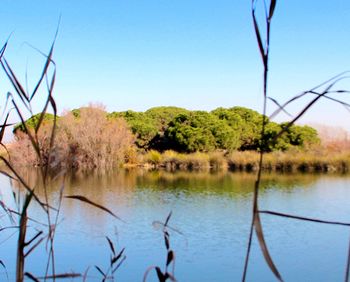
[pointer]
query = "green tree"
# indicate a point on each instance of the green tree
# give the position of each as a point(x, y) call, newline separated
point(162, 128)
point(141, 125)
point(32, 122)
point(201, 131)
point(303, 136)
point(281, 143)
point(163, 115)
point(188, 133)
point(250, 135)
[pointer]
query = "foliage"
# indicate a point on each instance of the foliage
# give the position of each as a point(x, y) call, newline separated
point(294, 136)
point(250, 127)
point(163, 115)
point(231, 129)
point(88, 140)
point(190, 132)
point(302, 136)
point(149, 126)
point(225, 129)
point(32, 122)
point(153, 157)
point(142, 126)
point(201, 131)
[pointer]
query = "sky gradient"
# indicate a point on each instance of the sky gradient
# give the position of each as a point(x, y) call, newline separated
point(194, 54)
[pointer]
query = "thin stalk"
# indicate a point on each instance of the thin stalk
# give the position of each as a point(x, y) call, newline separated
point(21, 243)
point(264, 52)
point(20, 247)
point(347, 269)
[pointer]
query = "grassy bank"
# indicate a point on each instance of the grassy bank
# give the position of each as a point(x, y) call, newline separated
point(292, 161)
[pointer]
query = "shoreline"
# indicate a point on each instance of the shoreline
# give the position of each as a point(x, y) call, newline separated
point(313, 161)
point(248, 161)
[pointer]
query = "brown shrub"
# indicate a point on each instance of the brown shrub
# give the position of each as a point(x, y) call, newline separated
point(22, 152)
point(86, 142)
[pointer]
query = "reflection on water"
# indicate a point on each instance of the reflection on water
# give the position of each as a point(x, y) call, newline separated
point(213, 212)
point(127, 180)
point(221, 182)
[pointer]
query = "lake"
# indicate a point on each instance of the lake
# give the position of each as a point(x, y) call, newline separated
point(211, 215)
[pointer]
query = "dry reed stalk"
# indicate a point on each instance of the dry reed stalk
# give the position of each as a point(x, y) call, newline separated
point(26, 246)
point(322, 90)
point(165, 275)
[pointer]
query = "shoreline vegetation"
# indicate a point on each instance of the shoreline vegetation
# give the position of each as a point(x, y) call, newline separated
point(171, 138)
point(248, 161)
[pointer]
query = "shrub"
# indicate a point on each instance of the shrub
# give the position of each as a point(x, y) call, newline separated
point(153, 157)
point(217, 160)
point(86, 141)
point(196, 161)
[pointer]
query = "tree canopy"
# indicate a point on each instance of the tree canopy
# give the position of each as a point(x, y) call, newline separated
point(226, 129)
point(33, 121)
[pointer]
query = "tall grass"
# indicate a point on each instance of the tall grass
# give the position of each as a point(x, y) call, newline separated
point(39, 148)
point(90, 141)
point(172, 160)
point(323, 90)
point(21, 100)
point(318, 159)
point(166, 274)
point(116, 260)
point(322, 161)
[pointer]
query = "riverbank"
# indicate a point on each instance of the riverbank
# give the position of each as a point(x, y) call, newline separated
point(319, 160)
point(292, 161)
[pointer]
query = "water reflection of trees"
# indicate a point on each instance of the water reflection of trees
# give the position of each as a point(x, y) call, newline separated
point(100, 187)
point(111, 188)
point(117, 190)
point(96, 184)
point(85, 182)
point(221, 182)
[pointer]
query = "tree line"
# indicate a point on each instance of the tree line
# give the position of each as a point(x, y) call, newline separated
point(228, 129)
point(182, 130)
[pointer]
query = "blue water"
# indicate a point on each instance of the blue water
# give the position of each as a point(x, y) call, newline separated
point(212, 212)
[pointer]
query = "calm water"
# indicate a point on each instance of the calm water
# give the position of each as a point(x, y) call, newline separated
point(212, 211)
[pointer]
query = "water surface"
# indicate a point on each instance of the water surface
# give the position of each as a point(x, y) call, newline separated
point(212, 212)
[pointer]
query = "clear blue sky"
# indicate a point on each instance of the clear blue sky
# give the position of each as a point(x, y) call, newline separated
point(135, 55)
